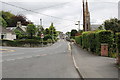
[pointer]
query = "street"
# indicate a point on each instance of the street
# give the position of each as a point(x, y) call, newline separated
point(48, 62)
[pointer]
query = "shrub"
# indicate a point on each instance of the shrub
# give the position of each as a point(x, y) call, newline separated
point(78, 40)
point(103, 36)
point(92, 40)
point(118, 42)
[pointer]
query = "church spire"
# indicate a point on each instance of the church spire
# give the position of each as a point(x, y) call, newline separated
point(83, 16)
point(87, 7)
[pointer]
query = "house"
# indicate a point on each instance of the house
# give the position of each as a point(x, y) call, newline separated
point(94, 26)
point(7, 34)
point(18, 27)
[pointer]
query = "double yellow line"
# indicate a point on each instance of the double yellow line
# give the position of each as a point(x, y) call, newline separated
point(6, 50)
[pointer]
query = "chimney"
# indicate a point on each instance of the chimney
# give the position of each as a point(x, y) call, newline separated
point(19, 24)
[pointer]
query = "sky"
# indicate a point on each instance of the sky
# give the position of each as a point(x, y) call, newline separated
point(63, 13)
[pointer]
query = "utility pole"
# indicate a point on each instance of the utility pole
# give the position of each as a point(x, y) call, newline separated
point(40, 22)
point(78, 25)
point(41, 32)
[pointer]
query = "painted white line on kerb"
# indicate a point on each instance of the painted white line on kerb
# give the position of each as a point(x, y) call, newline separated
point(69, 47)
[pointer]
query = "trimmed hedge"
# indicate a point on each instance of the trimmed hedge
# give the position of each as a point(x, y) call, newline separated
point(23, 43)
point(118, 42)
point(92, 40)
point(78, 40)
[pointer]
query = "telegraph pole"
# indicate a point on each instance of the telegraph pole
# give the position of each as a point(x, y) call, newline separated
point(41, 32)
point(78, 25)
point(40, 22)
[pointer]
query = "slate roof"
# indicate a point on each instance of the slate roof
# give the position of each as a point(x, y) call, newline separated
point(3, 30)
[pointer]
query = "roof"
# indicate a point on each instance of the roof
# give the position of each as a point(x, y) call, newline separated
point(3, 30)
point(94, 26)
point(23, 28)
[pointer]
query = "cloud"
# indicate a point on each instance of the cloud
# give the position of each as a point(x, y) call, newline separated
point(100, 10)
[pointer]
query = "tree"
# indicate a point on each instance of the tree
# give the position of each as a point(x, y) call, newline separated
point(47, 31)
point(7, 17)
point(20, 18)
point(3, 22)
point(100, 27)
point(40, 30)
point(112, 24)
point(18, 34)
point(31, 30)
point(12, 19)
point(52, 32)
point(73, 32)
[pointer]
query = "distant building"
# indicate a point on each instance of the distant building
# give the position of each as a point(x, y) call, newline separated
point(7, 34)
point(94, 26)
point(119, 10)
point(86, 17)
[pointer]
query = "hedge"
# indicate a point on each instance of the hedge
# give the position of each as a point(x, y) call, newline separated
point(78, 40)
point(92, 40)
point(118, 42)
point(23, 43)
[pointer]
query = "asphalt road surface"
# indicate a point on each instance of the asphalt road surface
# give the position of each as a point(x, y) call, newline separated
point(48, 62)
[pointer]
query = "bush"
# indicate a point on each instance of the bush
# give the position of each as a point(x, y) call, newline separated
point(23, 43)
point(78, 40)
point(104, 36)
point(92, 40)
point(118, 42)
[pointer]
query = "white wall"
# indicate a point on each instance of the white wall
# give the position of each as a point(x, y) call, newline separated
point(9, 36)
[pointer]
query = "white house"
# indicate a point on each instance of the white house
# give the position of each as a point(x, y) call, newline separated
point(7, 34)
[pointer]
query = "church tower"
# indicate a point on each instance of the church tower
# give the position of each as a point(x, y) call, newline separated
point(86, 17)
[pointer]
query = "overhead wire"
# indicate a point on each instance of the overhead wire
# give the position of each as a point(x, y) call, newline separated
point(53, 5)
point(35, 11)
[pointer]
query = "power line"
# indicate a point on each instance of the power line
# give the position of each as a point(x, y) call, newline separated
point(52, 6)
point(35, 12)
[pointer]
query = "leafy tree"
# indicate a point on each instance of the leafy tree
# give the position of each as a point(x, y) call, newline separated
point(12, 19)
point(52, 30)
point(7, 17)
point(31, 30)
point(47, 31)
point(18, 34)
point(20, 18)
point(100, 27)
point(3, 22)
point(112, 24)
point(40, 30)
point(73, 32)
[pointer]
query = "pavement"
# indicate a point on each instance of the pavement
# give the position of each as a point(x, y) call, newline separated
point(92, 66)
point(47, 62)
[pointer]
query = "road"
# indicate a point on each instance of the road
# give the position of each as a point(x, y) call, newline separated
point(48, 62)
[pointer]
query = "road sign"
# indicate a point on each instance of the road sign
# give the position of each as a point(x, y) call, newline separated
point(42, 35)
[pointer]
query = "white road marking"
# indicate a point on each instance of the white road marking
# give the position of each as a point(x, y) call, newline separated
point(24, 57)
point(69, 47)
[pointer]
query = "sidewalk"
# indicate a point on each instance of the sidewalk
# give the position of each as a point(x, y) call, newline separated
point(92, 66)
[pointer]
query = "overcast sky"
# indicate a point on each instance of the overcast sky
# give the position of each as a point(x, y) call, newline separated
point(65, 13)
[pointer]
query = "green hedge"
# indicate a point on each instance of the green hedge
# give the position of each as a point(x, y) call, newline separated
point(118, 42)
point(78, 40)
point(23, 43)
point(92, 40)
